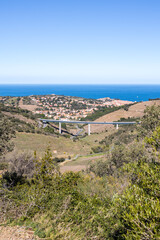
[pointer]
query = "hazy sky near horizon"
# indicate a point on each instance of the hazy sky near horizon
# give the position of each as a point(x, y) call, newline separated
point(80, 41)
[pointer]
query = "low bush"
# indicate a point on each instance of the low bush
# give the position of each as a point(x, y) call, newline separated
point(59, 159)
point(98, 149)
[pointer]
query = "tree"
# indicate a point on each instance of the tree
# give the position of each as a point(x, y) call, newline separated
point(150, 120)
point(46, 167)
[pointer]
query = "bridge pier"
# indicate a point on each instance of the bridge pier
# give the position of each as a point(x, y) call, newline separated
point(89, 129)
point(44, 125)
point(45, 121)
point(60, 131)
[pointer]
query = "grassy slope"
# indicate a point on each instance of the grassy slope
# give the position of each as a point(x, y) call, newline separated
point(63, 146)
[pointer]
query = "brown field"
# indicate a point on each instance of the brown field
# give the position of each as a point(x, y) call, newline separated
point(80, 163)
point(76, 168)
point(27, 107)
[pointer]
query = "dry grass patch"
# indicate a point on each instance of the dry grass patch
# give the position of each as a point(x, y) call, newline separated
point(61, 145)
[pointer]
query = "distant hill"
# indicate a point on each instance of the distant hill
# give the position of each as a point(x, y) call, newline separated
point(134, 111)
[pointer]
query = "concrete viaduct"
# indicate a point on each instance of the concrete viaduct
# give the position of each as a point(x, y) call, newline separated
point(84, 122)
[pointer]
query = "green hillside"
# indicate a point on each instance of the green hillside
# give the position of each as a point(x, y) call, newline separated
point(115, 197)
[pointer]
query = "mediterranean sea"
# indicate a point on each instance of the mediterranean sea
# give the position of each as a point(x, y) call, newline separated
point(123, 92)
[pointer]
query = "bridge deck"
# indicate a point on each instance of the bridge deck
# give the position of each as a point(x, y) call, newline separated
point(84, 122)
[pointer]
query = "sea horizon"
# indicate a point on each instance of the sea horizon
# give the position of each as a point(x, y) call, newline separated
point(131, 92)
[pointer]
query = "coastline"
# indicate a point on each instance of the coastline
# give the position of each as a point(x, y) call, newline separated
point(123, 92)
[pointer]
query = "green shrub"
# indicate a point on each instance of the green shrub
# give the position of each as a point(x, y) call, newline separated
point(3, 165)
point(138, 209)
point(150, 121)
point(97, 149)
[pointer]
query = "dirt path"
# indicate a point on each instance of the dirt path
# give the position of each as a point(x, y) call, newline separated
point(16, 233)
point(76, 168)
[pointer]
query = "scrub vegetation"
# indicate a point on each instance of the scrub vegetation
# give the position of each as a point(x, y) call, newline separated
point(117, 197)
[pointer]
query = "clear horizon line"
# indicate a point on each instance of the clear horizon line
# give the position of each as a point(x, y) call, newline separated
point(81, 84)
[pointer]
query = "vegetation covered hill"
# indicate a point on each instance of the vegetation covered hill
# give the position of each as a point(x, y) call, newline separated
point(117, 197)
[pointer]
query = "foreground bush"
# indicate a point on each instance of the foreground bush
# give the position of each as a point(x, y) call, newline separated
point(138, 209)
point(58, 206)
point(55, 203)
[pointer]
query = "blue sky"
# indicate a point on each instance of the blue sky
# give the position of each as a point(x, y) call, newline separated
point(80, 41)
